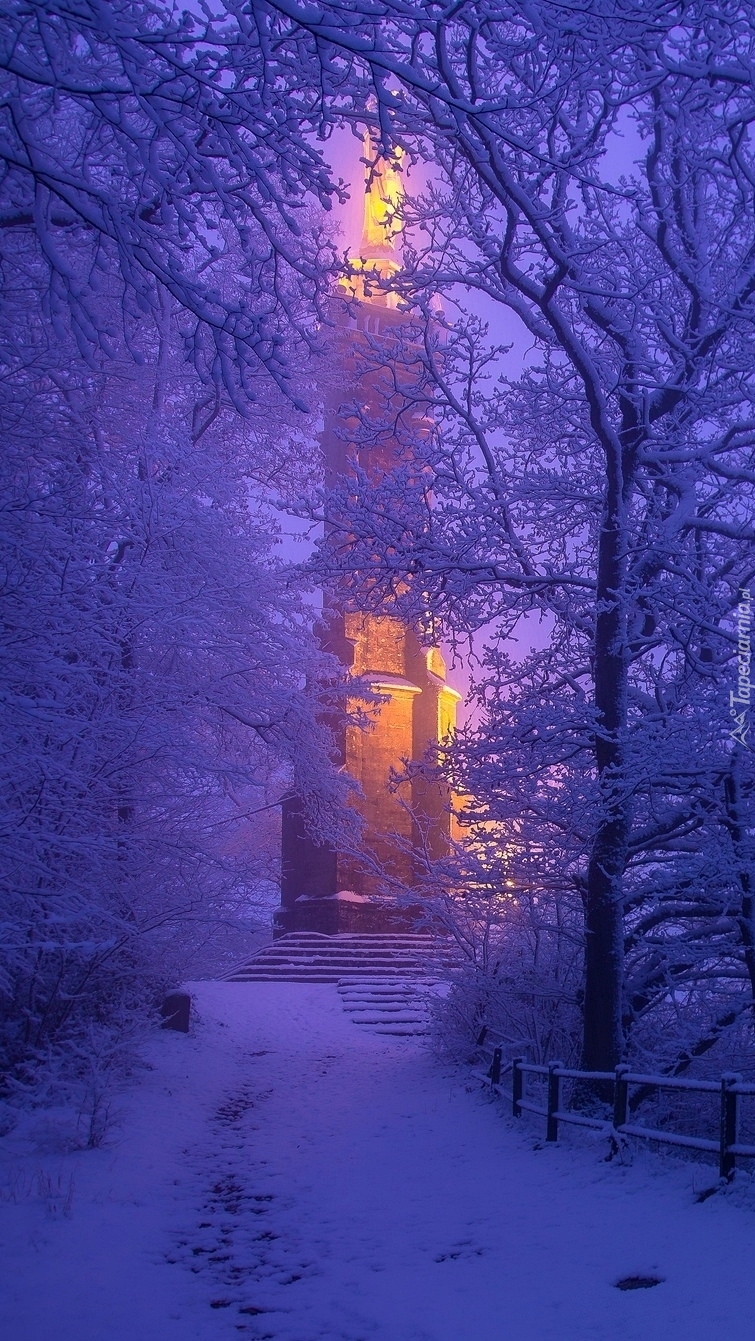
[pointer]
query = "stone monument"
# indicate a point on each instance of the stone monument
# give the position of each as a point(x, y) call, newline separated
point(321, 889)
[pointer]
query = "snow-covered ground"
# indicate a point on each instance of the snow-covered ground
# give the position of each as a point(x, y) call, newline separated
point(281, 1173)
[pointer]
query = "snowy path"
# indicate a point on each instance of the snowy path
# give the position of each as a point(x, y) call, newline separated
point(281, 1174)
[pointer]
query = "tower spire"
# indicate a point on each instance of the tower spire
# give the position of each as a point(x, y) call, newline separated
point(382, 202)
point(378, 259)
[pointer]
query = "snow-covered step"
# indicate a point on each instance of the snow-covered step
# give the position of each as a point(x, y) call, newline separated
point(310, 973)
point(362, 1003)
point(312, 957)
point(388, 1006)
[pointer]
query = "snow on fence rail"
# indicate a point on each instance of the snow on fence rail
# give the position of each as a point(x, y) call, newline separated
point(731, 1088)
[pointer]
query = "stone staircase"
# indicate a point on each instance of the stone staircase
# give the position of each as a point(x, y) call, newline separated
point(399, 1007)
point(308, 956)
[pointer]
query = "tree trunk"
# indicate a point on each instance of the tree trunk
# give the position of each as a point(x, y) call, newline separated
point(603, 1040)
point(743, 859)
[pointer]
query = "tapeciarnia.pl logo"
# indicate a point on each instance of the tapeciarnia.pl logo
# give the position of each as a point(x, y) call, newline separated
point(739, 702)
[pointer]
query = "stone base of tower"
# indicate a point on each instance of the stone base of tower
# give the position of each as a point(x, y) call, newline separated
point(343, 915)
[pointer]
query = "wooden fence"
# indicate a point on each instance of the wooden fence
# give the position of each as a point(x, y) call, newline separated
point(730, 1089)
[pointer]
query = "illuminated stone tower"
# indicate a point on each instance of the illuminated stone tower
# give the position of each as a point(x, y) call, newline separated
point(321, 889)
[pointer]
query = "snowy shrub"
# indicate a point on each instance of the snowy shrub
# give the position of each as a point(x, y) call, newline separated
point(519, 981)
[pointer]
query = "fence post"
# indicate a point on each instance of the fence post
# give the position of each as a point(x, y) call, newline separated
point(517, 1086)
point(495, 1068)
point(620, 1097)
point(554, 1100)
point(729, 1124)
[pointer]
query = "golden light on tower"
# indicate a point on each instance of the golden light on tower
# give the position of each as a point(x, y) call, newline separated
point(381, 225)
point(382, 204)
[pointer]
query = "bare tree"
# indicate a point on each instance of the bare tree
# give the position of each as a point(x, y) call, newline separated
point(591, 175)
point(159, 675)
point(138, 141)
point(162, 259)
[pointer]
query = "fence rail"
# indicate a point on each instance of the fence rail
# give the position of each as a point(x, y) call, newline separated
point(731, 1089)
